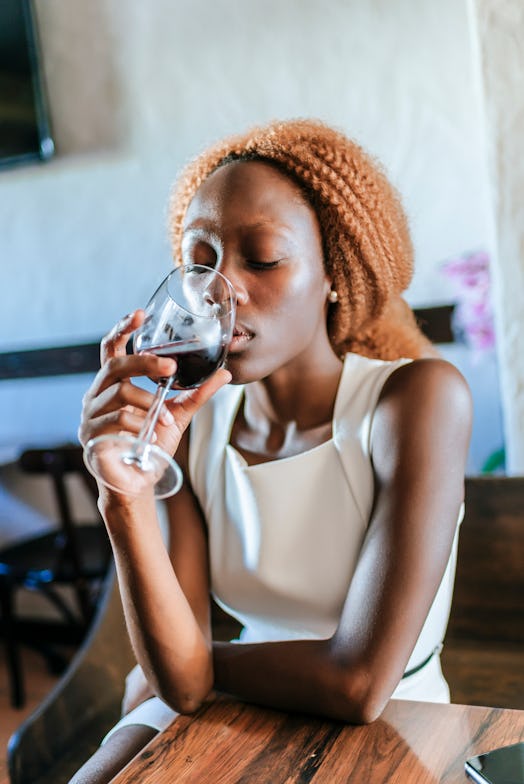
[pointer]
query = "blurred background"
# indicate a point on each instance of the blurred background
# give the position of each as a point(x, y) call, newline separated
point(136, 89)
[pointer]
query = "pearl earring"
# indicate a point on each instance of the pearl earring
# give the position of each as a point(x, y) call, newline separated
point(333, 296)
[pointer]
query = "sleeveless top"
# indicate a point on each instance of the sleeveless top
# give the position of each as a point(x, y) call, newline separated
point(285, 535)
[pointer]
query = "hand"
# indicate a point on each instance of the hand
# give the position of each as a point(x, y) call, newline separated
point(114, 404)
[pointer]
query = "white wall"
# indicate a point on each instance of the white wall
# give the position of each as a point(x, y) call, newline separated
point(137, 88)
point(499, 25)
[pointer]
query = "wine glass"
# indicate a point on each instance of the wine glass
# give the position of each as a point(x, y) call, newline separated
point(189, 318)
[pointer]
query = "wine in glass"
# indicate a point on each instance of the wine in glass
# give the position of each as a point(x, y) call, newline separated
point(189, 318)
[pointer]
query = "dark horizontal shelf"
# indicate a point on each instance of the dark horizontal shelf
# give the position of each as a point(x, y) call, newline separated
point(57, 361)
point(435, 322)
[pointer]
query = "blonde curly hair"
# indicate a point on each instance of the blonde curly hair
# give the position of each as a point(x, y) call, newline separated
point(368, 254)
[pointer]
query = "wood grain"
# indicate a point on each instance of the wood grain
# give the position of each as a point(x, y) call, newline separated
point(228, 742)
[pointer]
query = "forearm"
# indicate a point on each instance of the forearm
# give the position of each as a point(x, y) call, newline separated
point(167, 640)
point(298, 675)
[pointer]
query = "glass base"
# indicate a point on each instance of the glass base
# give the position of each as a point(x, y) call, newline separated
point(128, 466)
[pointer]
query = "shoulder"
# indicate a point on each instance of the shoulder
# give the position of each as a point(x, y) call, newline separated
point(425, 383)
point(423, 404)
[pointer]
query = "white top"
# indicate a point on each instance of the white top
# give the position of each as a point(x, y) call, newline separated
point(285, 535)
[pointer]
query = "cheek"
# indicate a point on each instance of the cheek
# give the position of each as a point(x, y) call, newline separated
point(281, 299)
point(305, 294)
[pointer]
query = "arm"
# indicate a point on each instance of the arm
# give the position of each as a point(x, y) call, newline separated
point(170, 634)
point(420, 437)
point(166, 615)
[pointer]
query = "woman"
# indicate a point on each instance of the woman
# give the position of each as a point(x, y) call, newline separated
point(323, 485)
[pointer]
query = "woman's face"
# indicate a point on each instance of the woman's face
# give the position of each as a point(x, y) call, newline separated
point(252, 223)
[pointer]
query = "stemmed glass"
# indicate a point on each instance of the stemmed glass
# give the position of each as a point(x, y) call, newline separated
point(189, 318)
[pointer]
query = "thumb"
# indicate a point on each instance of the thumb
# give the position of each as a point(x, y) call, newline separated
point(185, 405)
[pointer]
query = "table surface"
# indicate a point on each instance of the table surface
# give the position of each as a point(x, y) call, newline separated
point(228, 742)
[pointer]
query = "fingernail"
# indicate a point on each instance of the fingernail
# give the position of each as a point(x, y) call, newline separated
point(169, 366)
point(124, 321)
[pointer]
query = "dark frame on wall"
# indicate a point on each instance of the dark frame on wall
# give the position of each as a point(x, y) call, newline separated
point(25, 133)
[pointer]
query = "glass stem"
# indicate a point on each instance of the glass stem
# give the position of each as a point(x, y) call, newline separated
point(148, 428)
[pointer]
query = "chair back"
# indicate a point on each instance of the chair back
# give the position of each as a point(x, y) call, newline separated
point(59, 463)
point(69, 724)
point(488, 599)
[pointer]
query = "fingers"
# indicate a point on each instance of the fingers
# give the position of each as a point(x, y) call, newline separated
point(119, 421)
point(114, 343)
point(112, 402)
point(118, 407)
point(120, 368)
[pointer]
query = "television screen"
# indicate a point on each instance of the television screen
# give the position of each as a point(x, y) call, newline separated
point(24, 125)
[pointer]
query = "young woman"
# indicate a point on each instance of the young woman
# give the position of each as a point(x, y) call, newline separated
point(323, 485)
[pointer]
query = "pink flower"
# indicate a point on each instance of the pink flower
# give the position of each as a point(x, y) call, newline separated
point(473, 315)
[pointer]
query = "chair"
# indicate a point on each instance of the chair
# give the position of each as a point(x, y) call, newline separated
point(483, 650)
point(75, 554)
point(67, 727)
point(69, 724)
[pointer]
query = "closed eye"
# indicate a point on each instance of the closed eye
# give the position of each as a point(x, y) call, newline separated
point(263, 265)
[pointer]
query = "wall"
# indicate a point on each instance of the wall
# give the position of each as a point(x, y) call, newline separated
point(134, 93)
point(499, 28)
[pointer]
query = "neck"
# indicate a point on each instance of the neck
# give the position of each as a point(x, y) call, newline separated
point(301, 398)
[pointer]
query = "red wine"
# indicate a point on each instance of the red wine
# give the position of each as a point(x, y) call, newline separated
point(195, 362)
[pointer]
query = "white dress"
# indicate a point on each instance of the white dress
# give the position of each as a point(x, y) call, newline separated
point(285, 535)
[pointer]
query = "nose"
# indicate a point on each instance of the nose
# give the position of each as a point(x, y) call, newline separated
point(230, 268)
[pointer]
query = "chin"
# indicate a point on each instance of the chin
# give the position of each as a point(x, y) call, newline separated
point(242, 370)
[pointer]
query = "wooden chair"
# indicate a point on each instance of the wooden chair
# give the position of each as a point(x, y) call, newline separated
point(76, 554)
point(483, 656)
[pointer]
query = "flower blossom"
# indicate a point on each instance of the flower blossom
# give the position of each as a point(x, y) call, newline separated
point(473, 314)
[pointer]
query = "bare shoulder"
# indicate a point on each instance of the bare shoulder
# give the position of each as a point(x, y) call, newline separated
point(424, 406)
point(426, 384)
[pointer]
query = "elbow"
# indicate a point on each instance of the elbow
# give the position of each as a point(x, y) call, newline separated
point(366, 711)
point(363, 697)
point(187, 696)
point(185, 703)
point(183, 700)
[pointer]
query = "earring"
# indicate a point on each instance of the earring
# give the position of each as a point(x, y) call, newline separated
point(333, 296)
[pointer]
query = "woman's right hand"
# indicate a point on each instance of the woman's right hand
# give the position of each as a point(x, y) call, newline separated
point(113, 404)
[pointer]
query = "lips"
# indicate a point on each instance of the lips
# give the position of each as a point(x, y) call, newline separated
point(241, 337)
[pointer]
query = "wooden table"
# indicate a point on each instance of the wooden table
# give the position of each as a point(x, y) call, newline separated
point(228, 742)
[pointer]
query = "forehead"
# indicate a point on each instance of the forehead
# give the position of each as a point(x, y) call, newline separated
point(249, 191)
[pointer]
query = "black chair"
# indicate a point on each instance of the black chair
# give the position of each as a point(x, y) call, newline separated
point(75, 554)
point(68, 726)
